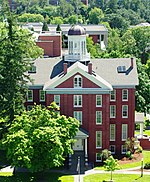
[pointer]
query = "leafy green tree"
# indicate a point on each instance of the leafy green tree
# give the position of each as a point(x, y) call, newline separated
point(45, 26)
point(27, 17)
point(95, 15)
point(17, 52)
point(65, 9)
point(111, 164)
point(40, 139)
point(143, 89)
point(57, 20)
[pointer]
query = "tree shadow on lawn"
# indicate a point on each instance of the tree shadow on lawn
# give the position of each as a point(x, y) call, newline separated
point(32, 177)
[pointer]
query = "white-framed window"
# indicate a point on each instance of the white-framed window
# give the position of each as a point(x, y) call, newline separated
point(57, 99)
point(123, 149)
point(124, 132)
point(98, 117)
point(78, 116)
point(98, 100)
point(77, 81)
point(113, 95)
point(42, 95)
point(125, 95)
point(77, 100)
point(112, 148)
point(125, 111)
point(98, 139)
point(98, 157)
point(112, 132)
point(112, 111)
point(30, 95)
point(29, 107)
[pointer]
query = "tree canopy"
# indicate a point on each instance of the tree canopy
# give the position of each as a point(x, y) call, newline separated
point(17, 52)
point(40, 139)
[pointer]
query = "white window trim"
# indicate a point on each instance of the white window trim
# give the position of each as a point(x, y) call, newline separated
point(123, 95)
point(41, 100)
point(123, 110)
point(77, 85)
point(114, 149)
point(124, 139)
point(101, 100)
point(101, 117)
point(97, 159)
point(114, 132)
point(30, 100)
point(101, 140)
point(114, 111)
point(78, 116)
point(115, 96)
point(58, 99)
point(77, 101)
point(122, 149)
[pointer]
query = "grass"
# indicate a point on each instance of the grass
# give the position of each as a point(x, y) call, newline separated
point(146, 157)
point(146, 132)
point(29, 177)
point(117, 178)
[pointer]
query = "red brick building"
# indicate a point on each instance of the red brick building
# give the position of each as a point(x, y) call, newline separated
point(51, 43)
point(100, 93)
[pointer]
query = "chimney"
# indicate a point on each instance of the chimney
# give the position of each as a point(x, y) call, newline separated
point(132, 62)
point(65, 68)
point(90, 68)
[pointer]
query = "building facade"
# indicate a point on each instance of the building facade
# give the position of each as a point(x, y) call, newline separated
point(100, 93)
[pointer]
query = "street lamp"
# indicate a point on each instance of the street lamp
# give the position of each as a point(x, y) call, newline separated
point(142, 167)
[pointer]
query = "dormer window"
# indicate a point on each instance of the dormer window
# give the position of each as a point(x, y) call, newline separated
point(77, 81)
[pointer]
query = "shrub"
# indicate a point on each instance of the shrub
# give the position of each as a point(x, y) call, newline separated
point(139, 149)
point(105, 154)
point(128, 154)
point(147, 165)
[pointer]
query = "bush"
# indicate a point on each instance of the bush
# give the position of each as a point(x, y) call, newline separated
point(147, 165)
point(139, 149)
point(128, 154)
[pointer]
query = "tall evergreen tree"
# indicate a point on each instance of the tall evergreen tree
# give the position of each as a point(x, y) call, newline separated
point(45, 27)
point(17, 50)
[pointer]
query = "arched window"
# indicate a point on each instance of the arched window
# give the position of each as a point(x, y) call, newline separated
point(77, 81)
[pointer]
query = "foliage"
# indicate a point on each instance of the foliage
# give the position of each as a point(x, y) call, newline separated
point(95, 16)
point(27, 17)
point(105, 154)
point(130, 144)
point(147, 165)
point(40, 139)
point(17, 52)
point(57, 21)
point(142, 90)
point(111, 164)
point(129, 155)
point(45, 27)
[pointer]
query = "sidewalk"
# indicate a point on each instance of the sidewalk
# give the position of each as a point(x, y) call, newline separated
point(136, 170)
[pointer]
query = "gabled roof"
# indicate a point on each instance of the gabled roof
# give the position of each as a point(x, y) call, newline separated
point(83, 70)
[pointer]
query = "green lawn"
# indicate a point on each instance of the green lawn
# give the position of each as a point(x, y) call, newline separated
point(28, 177)
point(146, 132)
point(117, 178)
point(146, 157)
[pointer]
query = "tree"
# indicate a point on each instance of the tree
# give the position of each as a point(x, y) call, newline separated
point(95, 16)
point(17, 52)
point(40, 139)
point(27, 17)
point(111, 164)
point(45, 27)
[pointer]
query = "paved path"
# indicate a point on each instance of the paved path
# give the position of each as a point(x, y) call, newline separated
point(7, 169)
point(135, 170)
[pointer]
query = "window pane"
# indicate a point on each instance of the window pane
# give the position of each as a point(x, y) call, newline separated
point(98, 100)
point(57, 99)
point(78, 116)
point(77, 81)
point(30, 95)
point(98, 139)
point(113, 95)
point(112, 149)
point(124, 94)
point(42, 95)
point(98, 157)
point(78, 100)
point(124, 111)
point(98, 117)
point(112, 111)
point(124, 132)
point(112, 132)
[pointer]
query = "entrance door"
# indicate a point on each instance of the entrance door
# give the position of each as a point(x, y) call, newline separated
point(78, 145)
